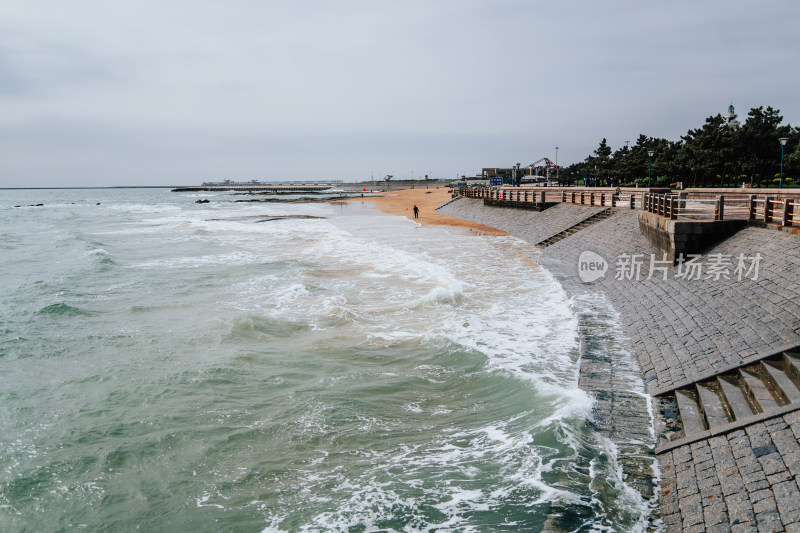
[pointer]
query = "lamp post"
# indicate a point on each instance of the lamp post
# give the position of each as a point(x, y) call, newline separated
point(557, 164)
point(650, 171)
point(783, 143)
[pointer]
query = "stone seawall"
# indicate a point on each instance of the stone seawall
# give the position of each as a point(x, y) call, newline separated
point(679, 327)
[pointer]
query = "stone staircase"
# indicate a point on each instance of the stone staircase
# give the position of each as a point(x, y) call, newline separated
point(769, 387)
point(597, 217)
point(450, 201)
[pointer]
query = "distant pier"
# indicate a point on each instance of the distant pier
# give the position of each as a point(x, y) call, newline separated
point(256, 188)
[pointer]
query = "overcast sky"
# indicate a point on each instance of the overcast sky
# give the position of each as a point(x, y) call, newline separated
point(175, 92)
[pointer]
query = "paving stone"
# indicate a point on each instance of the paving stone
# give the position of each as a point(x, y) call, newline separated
point(717, 528)
point(787, 497)
point(779, 477)
point(697, 528)
point(672, 521)
point(758, 451)
point(711, 494)
point(772, 463)
point(693, 520)
point(760, 494)
point(768, 522)
point(714, 514)
point(756, 485)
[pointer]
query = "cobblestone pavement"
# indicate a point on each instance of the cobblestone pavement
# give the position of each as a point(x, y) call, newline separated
point(746, 480)
point(683, 330)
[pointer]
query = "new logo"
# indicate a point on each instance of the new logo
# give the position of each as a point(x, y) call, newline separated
point(591, 267)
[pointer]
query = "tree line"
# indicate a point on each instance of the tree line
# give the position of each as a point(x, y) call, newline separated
point(713, 155)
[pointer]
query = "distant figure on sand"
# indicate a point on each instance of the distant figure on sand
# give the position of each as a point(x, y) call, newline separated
point(416, 212)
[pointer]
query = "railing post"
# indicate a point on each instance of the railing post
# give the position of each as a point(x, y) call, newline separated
point(613, 200)
point(591, 198)
point(719, 213)
point(602, 199)
point(751, 208)
point(572, 196)
point(632, 201)
point(542, 197)
point(673, 208)
point(581, 197)
point(787, 212)
point(767, 210)
point(563, 197)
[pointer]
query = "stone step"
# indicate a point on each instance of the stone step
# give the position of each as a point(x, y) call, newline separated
point(792, 368)
point(712, 405)
point(735, 397)
point(576, 228)
point(757, 391)
point(690, 413)
point(781, 382)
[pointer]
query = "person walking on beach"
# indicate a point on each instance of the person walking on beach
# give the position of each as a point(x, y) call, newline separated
point(416, 212)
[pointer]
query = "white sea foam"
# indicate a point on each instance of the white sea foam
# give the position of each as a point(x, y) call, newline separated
point(355, 371)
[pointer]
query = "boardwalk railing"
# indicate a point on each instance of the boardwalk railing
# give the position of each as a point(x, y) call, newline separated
point(767, 209)
point(580, 197)
point(785, 212)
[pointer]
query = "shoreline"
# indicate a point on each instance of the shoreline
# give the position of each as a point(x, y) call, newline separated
point(401, 203)
point(621, 409)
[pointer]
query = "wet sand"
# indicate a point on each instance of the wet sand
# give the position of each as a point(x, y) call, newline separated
point(402, 203)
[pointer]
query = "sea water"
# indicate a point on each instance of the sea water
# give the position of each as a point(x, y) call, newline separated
point(173, 366)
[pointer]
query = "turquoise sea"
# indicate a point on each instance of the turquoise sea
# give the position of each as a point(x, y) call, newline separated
point(173, 366)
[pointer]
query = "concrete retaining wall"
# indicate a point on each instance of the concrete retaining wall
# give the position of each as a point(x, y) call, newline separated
point(676, 237)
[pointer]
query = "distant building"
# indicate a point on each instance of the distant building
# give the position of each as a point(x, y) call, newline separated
point(729, 118)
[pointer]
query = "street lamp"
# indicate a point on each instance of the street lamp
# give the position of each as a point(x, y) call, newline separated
point(783, 143)
point(650, 172)
point(556, 163)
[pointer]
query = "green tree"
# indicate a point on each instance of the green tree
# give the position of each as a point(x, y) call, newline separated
point(707, 149)
point(791, 153)
point(757, 144)
point(601, 163)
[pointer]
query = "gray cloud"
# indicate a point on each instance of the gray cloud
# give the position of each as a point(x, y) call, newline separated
point(178, 92)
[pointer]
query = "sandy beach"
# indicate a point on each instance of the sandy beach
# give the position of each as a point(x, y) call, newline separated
point(402, 202)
